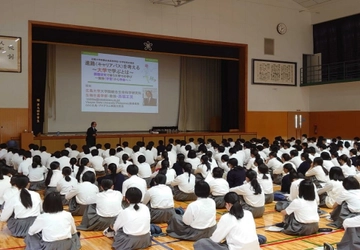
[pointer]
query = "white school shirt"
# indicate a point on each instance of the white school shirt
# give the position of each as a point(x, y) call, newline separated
point(348, 170)
point(247, 191)
point(144, 170)
point(86, 168)
point(44, 157)
point(112, 159)
point(16, 160)
point(200, 214)
point(185, 183)
point(74, 154)
point(63, 186)
point(120, 154)
point(55, 178)
point(8, 157)
point(170, 175)
point(335, 161)
point(134, 222)
point(318, 172)
point(351, 197)
point(135, 181)
point(217, 157)
point(203, 170)
point(105, 153)
point(239, 158)
point(172, 158)
point(64, 161)
point(37, 174)
point(155, 152)
point(128, 150)
point(10, 192)
point(194, 162)
point(218, 187)
point(328, 164)
point(240, 234)
point(54, 226)
point(97, 163)
point(266, 184)
point(333, 189)
point(24, 166)
point(275, 165)
point(123, 167)
point(14, 205)
point(304, 211)
point(352, 222)
point(85, 193)
point(108, 203)
point(50, 160)
point(296, 160)
point(294, 191)
point(160, 196)
point(149, 157)
point(135, 156)
point(4, 185)
point(3, 152)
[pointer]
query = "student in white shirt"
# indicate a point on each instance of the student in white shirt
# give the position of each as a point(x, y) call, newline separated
point(54, 175)
point(265, 181)
point(149, 155)
point(203, 171)
point(144, 169)
point(346, 166)
point(132, 225)
point(74, 153)
point(218, 187)
point(184, 185)
point(53, 229)
point(21, 210)
point(160, 199)
point(134, 181)
point(199, 219)
point(165, 170)
point(350, 239)
point(301, 216)
point(82, 195)
point(123, 166)
point(37, 174)
point(24, 166)
point(237, 228)
point(73, 166)
point(275, 166)
point(67, 183)
point(64, 159)
point(193, 159)
point(84, 167)
point(4, 185)
point(318, 172)
point(102, 214)
point(111, 159)
point(96, 162)
point(252, 195)
point(135, 155)
point(332, 189)
point(106, 152)
point(327, 163)
point(347, 204)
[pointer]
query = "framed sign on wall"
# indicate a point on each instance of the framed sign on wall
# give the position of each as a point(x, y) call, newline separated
point(10, 54)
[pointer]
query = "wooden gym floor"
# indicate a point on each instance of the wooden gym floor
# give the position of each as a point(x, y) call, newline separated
point(275, 240)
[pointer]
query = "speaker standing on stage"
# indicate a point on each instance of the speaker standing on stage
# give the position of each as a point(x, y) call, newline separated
point(91, 135)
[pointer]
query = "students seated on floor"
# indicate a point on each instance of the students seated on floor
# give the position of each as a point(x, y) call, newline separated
point(351, 237)
point(347, 204)
point(83, 195)
point(37, 174)
point(332, 189)
point(123, 165)
point(301, 216)
point(67, 183)
point(252, 196)
point(265, 180)
point(160, 200)
point(132, 225)
point(144, 169)
point(236, 176)
point(53, 177)
point(165, 170)
point(84, 167)
point(237, 228)
point(4, 185)
point(134, 181)
point(346, 166)
point(318, 173)
point(102, 214)
point(203, 170)
point(199, 219)
point(21, 210)
point(184, 185)
point(218, 187)
point(53, 229)
point(117, 178)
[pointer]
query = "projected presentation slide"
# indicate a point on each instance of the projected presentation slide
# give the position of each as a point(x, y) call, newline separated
point(115, 83)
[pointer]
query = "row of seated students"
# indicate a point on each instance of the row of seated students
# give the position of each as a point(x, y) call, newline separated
point(250, 200)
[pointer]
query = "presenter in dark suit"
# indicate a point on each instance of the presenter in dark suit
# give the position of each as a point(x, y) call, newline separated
point(149, 100)
point(91, 135)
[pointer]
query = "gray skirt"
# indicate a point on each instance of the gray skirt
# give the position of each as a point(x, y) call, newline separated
point(269, 198)
point(181, 196)
point(219, 201)
point(293, 227)
point(257, 212)
point(206, 244)
point(20, 227)
point(75, 208)
point(339, 214)
point(91, 221)
point(123, 241)
point(350, 239)
point(35, 242)
point(63, 200)
point(49, 190)
point(161, 215)
point(179, 230)
point(148, 180)
point(37, 185)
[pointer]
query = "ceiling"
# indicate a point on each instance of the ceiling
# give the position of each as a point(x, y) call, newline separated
point(309, 4)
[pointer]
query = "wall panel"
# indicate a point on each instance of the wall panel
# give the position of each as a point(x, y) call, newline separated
point(13, 121)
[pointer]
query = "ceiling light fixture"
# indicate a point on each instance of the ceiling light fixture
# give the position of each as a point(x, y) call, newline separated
point(175, 3)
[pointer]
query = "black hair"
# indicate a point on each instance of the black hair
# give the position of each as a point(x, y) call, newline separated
point(89, 176)
point(294, 153)
point(112, 151)
point(191, 154)
point(319, 162)
point(36, 161)
point(160, 179)
point(21, 183)
point(264, 170)
point(66, 172)
point(53, 166)
point(83, 163)
point(132, 169)
point(164, 167)
point(325, 156)
point(107, 145)
point(141, 159)
point(73, 147)
point(64, 152)
point(106, 184)
point(306, 157)
point(202, 189)
point(350, 183)
point(236, 208)
point(233, 162)
point(336, 174)
point(124, 158)
point(205, 160)
point(134, 195)
point(251, 174)
point(307, 190)
point(225, 157)
point(187, 169)
point(94, 152)
point(73, 162)
point(113, 169)
point(346, 159)
point(286, 157)
point(218, 172)
point(52, 203)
